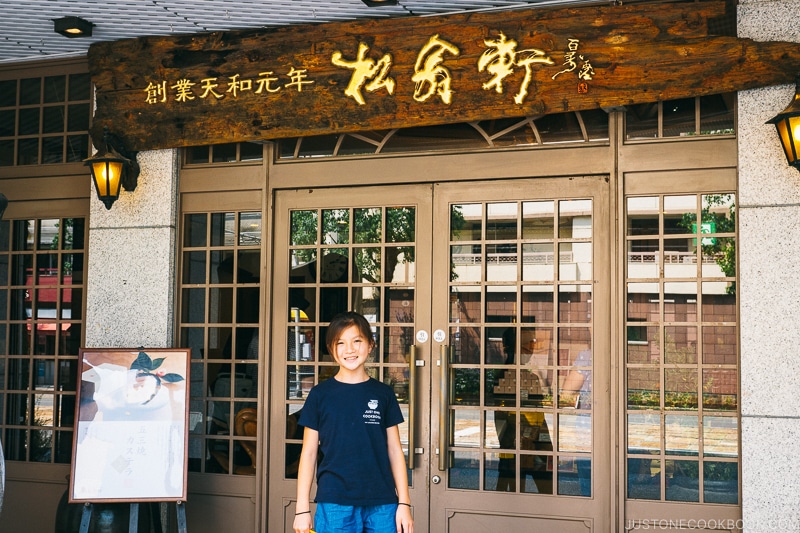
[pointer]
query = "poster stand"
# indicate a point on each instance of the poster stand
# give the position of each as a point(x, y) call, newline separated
point(131, 432)
point(133, 523)
point(131, 426)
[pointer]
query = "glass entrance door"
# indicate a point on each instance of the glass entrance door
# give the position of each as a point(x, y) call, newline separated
point(489, 307)
point(367, 250)
point(521, 290)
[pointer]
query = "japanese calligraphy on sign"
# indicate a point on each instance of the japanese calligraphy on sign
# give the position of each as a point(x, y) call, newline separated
point(366, 70)
point(416, 71)
point(431, 76)
point(571, 59)
point(184, 88)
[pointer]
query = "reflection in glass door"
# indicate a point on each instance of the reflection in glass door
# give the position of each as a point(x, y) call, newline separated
point(483, 313)
point(520, 424)
point(520, 319)
point(682, 425)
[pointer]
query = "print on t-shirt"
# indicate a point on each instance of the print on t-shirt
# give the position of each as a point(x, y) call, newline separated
point(371, 415)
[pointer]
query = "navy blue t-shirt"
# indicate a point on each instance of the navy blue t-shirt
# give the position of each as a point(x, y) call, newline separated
point(352, 419)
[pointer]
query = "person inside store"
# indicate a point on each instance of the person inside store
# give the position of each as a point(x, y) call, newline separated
point(534, 435)
point(350, 425)
point(576, 391)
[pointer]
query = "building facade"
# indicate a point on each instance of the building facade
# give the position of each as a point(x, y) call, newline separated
point(575, 310)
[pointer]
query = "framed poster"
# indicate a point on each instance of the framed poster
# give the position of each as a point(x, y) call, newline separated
point(131, 434)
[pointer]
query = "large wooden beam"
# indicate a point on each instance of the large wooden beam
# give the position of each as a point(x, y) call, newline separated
point(393, 73)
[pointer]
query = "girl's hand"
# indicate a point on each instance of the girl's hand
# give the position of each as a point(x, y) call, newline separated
point(404, 520)
point(302, 523)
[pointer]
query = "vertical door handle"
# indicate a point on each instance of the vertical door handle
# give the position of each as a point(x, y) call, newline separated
point(412, 395)
point(444, 398)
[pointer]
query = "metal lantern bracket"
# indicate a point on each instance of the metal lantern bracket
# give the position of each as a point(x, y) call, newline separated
point(130, 178)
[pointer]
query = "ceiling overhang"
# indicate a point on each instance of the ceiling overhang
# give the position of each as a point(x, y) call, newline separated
point(256, 85)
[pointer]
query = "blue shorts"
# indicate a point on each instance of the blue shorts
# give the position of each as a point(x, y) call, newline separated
point(335, 518)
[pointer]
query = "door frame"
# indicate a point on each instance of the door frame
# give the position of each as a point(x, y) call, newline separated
point(281, 509)
point(601, 502)
point(427, 352)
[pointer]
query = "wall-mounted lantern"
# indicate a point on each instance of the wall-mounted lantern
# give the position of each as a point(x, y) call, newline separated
point(788, 124)
point(111, 168)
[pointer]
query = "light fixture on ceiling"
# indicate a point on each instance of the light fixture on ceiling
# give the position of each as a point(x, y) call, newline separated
point(73, 27)
point(111, 168)
point(787, 123)
point(379, 3)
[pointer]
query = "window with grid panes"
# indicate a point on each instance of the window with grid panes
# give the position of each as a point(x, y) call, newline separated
point(682, 412)
point(41, 321)
point(223, 153)
point(579, 127)
point(219, 320)
point(699, 116)
point(45, 119)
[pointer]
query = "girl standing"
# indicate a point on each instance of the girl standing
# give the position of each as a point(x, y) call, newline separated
point(351, 422)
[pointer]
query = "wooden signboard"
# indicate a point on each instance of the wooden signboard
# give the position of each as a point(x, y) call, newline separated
point(131, 433)
point(158, 92)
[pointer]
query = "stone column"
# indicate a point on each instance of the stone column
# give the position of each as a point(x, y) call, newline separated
point(769, 289)
point(130, 286)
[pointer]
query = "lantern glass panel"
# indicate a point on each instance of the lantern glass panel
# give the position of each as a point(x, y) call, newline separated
point(107, 177)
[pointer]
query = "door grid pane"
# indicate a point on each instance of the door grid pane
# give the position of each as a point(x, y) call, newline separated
point(360, 259)
point(219, 320)
point(521, 334)
point(681, 355)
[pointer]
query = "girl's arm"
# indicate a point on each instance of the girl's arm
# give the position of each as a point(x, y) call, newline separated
point(305, 475)
point(397, 460)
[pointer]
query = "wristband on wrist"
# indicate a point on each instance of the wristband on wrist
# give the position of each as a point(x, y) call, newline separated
point(304, 512)
point(406, 504)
